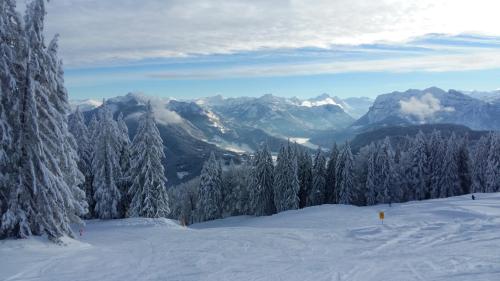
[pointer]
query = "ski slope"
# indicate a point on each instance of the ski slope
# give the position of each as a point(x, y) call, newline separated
point(450, 239)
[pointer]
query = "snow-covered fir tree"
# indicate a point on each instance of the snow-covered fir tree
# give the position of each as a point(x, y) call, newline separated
point(124, 182)
point(371, 186)
point(106, 166)
point(93, 128)
point(12, 71)
point(492, 176)
point(463, 162)
point(345, 175)
point(79, 130)
point(318, 191)
point(480, 163)
point(148, 191)
point(418, 167)
point(45, 198)
point(262, 187)
point(231, 187)
point(209, 205)
point(286, 182)
point(385, 175)
point(437, 152)
point(449, 181)
point(304, 173)
point(331, 193)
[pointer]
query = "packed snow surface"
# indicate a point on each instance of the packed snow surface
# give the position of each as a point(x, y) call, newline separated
point(448, 239)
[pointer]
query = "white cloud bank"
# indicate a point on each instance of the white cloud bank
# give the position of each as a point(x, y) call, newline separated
point(99, 32)
point(423, 108)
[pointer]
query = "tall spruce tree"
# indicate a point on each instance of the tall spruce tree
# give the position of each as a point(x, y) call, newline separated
point(286, 182)
point(437, 153)
point(371, 184)
point(492, 175)
point(463, 162)
point(263, 194)
point(385, 174)
point(124, 182)
point(12, 72)
point(449, 180)
point(45, 198)
point(331, 192)
point(418, 172)
point(79, 130)
point(231, 185)
point(106, 166)
point(318, 191)
point(304, 174)
point(209, 205)
point(147, 174)
point(480, 163)
point(345, 175)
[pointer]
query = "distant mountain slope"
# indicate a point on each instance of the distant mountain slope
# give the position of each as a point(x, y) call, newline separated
point(190, 133)
point(488, 96)
point(431, 106)
point(282, 117)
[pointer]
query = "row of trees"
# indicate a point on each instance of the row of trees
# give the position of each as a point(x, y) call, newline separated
point(122, 178)
point(39, 178)
point(54, 171)
point(418, 168)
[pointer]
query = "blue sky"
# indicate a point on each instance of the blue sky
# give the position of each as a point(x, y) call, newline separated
point(187, 49)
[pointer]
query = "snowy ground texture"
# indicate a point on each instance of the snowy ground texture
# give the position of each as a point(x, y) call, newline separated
point(451, 239)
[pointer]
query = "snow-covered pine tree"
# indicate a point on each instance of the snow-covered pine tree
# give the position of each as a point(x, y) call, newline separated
point(317, 193)
point(371, 185)
point(230, 190)
point(449, 180)
point(286, 182)
point(418, 172)
point(77, 127)
point(480, 163)
point(124, 182)
point(492, 177)
point(93, 128)
point(437, 151)
point(385, 172)
point(106, 166)
point(263, 193)
point(46, 198)
point(209, 205)
point(345, 175)
point(147, 174)
point(12, 71)
point(331, 192)
point(305, 175)
point(75, 202)
point(463, 162)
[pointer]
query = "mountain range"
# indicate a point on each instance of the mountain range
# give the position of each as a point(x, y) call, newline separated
point(233, 127)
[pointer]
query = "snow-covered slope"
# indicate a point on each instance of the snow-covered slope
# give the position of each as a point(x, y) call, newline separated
point(447, 239)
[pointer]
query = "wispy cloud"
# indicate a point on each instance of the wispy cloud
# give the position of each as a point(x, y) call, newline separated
point(96, 32)
point(423, 108)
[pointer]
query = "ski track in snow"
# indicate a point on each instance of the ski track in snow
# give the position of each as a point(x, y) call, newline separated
point(448, 239)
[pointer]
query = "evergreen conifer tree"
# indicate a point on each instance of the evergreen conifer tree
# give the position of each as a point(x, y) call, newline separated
point(148, 191)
